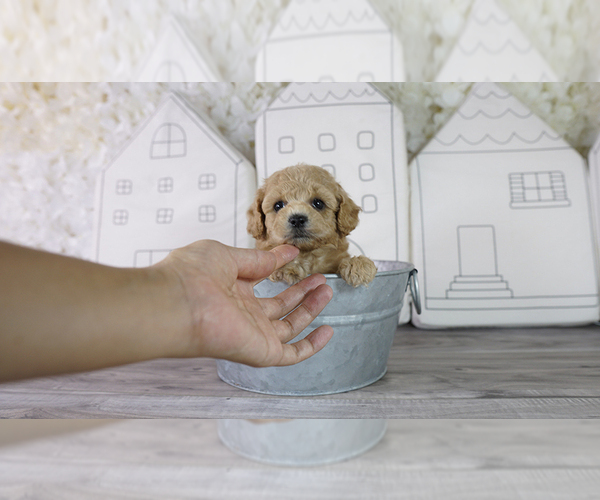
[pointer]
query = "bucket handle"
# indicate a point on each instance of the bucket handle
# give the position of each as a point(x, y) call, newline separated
point(413, 282)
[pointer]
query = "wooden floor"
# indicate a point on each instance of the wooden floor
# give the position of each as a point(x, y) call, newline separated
point(494, 373)
point(417, 459)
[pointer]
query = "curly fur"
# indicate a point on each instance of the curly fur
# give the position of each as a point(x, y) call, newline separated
point(304, 206)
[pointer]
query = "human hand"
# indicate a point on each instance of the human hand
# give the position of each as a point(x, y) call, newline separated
point(228, 322)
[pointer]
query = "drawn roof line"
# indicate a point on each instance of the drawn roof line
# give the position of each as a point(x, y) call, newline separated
point(368, 91)
point(494, 11)
point(492, 18)
point(194, 115)
point(494, 117)
point(328, 20)
point(494, 90)
point(512, 136)
point(596, 146)
point(184, 36)
point(481, 46)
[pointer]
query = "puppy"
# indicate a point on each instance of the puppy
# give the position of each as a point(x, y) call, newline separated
point(304, 206)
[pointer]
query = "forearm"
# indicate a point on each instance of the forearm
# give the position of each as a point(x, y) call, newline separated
point(59, 314)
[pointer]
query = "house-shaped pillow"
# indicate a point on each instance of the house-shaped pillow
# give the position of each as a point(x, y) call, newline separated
point(357, 134)
point(500, 220)
point(493, 48)
point(177, 180)
point(330, 40)
point(177, 58)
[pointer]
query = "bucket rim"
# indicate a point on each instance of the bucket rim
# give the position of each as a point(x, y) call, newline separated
point(392, 267)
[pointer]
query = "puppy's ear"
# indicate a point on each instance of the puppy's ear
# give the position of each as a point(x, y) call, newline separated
point(256, 217)
point(347, 214)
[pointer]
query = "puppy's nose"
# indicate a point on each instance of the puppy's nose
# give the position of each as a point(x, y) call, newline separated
point(298, 220)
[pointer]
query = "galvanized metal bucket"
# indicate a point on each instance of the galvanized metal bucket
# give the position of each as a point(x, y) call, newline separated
point(364, 320)
point(301, 442)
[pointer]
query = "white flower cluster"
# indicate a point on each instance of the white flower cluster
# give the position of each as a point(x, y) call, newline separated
point(106, 40)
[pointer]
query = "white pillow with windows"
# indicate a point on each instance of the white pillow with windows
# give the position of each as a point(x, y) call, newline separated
point(176, 180)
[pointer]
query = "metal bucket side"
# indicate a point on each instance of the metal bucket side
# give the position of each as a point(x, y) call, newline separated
point(301, 442)
point(364, 320)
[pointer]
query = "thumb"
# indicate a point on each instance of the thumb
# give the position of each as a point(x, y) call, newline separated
point(259, 264)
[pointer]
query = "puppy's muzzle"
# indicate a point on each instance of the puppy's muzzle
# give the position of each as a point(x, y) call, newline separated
point(298, 221)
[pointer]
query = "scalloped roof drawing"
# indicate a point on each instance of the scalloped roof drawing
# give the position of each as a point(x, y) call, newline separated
point(305, 94)
point(493, 48)
point(491, 118)
point(330, 40)
point(177, 58)
point(499, 205)
point(175, 181)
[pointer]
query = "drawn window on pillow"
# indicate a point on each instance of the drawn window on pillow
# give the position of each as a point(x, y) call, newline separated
point(287, 144)
point(169, 141)
point(124, 186)
point(165, 185)
point(365, 139)
point(369, 204)
point(326, 142)
point(164, 215)
point(207, 213)
point(538, 190)
point(207, 181)
point(120, 217)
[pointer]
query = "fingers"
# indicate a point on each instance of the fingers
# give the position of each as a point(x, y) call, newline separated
point(259, 264)
point(305, 348)
point(290, 326)
point(288, 300)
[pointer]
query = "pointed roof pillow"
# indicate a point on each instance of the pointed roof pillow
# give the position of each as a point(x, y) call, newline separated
point(493, 48)
point(176, 180)
point(330, 40)
point(177, 58)
point(500, 221)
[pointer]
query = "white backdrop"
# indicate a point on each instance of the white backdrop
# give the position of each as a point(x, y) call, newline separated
point(104, 40)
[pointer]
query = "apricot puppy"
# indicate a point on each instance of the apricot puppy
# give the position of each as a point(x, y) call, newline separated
point(304, 206)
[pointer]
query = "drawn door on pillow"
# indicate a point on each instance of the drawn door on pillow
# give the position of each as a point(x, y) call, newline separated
point(501, 223)
point(330, 41)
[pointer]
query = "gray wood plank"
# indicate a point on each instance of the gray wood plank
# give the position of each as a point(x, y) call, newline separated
point(493, 373)
point(417, 459)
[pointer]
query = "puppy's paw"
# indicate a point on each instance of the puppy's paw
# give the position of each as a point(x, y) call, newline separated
point(357, 271)
point(291, 274)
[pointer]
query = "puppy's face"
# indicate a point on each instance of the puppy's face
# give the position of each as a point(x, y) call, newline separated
point(302, 206)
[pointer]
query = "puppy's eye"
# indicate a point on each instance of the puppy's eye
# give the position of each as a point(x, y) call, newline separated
point(318, 204)
point(279, 205)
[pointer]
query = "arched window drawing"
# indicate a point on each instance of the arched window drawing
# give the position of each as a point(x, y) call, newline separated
point(170, 71)
point(169, 141)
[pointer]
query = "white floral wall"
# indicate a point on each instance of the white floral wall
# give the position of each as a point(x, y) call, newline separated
point(104, 40)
